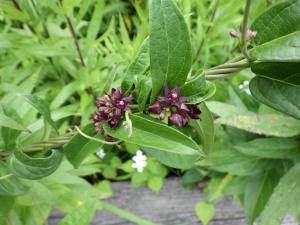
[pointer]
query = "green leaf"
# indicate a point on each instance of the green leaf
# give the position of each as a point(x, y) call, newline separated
point(197, 86)
point(81, 215)
point(160, 140)
point(272, 148)
point(43, 107)
point(138, 67)
point(9, 183)
point(284, 49)
point(287, 72)
point(79, 147)
point(258, 190)
point(9, 135)
point(205, 212)
point(231, 161)
point(263, 124)
point(280, 20)
point(151, 133)
point(210, 91)
point(8, 122)
point(205, 128)
point(281, 96)
point(27, 167)
point(155, 183)
point(285, 198)
point(170, 46)
point(143, 89)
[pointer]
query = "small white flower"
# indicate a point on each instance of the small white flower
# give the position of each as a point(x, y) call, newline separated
point(100, 153)
point(245, 83)
point(139, 161)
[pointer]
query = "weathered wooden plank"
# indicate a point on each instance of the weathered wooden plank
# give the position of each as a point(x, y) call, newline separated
point(172, 206)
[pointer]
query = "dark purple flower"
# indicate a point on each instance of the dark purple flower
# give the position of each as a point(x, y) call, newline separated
point(180, 113)
point(111, 108)
point(109, 138)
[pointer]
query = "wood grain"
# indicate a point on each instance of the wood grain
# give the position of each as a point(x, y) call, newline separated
point(172, 206)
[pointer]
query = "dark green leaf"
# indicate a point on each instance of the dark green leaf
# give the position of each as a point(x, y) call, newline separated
point(285, 198)
point(272, 148)
point(279, 95)
point(27, 167)
point(170, 46)
point(42, 106)
point(282, 71)
point(9, 183)
point(258, 190)
point(79, 147)
point(138, 67)
point(283, 49)
point(280, 20)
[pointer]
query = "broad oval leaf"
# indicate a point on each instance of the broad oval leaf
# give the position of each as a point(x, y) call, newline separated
point(79, 147)
point(9, 183)
point(27, 167)
point(170, 46)
point(284, 97)
point(196, 86)
point(284, 49)
point(201, 97)
point(280, 20)
point(42, 106)
point(154, 135)
point(285, 198)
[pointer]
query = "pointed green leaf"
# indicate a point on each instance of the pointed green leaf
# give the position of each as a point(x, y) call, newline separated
point(42, 106)
point(159, 140)
point(31, 168)
point(9, 183)
point(205, 212)
point(285, 198)
point(170, 46)
point(258, 190)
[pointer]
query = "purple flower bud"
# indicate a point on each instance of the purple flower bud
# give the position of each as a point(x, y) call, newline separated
point(250, 34)
point(109, 138)
point(155, 108)
point(234, 34)
point(194, 111)
point(176, 119)
point(162, 115)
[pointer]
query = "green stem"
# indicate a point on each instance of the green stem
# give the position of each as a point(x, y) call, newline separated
point(126, 215)
point(244, 30)
point(217, 76)
point(96, 139)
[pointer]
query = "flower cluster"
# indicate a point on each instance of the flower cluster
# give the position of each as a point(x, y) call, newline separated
point(172, 102)
point(249, 34)
point(111, 109)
